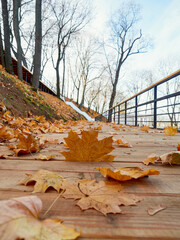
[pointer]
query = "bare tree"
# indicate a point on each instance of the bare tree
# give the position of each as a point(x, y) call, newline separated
point(165, 68)
point(93, 94)
point(85, 67)
point(125, 42)
point(16, 20)
point(7, 44)
point(38, 45)
point(71, 17)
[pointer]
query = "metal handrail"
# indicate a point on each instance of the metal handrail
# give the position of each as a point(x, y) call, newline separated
point(122, 116)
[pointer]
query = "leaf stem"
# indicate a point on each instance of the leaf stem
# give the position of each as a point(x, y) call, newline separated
point(52, 204)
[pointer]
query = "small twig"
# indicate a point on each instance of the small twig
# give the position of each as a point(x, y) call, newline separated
point(53, 203)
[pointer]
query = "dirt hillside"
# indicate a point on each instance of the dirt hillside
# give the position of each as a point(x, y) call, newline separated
point(21, 100)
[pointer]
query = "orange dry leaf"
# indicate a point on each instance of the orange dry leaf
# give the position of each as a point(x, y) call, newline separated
point(105, 197)
point(7, 117)
point(170, 131)
point(122, 144)
point(27, 144)
point(98, 128)
point(44, 179)
point(19, 219)
point(178, 147)
point(153, 210)
point(127, 173)
point(116, 127)
point(151, 159)
point(41, 118)
point(88, 148)
point(145, 128)
point(6, 133)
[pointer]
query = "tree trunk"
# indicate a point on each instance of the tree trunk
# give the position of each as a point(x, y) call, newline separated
point(16, 7)
point(7, 44)
point(64, 71)
point(113, 94)
point(1, 49)
point(83, 95)
point(77, 99)
point(57, 80)
point(38, 45)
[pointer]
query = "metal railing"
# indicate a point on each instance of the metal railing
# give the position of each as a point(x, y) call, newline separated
point(157, 106)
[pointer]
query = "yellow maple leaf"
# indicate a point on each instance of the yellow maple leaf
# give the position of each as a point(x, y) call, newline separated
point(98, 128)
point(88, 148)
point(6, 133)
point(151, 159)
point(40, 118)
point(127, 173)
point(44, 179)
point(122, 144)
point(170, 131)
point(105, 197)
point(27, 144)
point(19, 219)
point(145, 128)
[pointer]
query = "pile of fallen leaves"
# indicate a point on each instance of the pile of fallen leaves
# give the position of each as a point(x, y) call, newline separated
point(62, 109)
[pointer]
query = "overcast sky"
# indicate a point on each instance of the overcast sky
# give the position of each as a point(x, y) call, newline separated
point(160, 22)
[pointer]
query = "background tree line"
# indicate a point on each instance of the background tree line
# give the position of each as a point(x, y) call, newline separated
point(54, 34)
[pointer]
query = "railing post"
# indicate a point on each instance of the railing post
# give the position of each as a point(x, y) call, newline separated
point(136, 103)
point(118, 114)
point(125, 116)
point(155, 107)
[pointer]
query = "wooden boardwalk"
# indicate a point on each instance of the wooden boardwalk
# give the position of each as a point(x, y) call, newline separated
point(134, 223)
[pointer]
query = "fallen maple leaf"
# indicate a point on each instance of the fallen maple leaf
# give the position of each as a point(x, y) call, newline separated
point(145, 128)
point(153, 210)
point(19, 220)
point(170, 131)
point(27, 144)
point(98, 128)
point(88, 148)
point(127, 173)
point(44, 157)
point(151, 159)
point(171, 158)
point(178, 147)
point(44, 179)
point(105, 197)
point(123, 144)
point(6, 133)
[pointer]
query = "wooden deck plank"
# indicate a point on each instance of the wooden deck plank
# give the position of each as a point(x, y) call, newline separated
point(133, 222)
point(158, 184)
